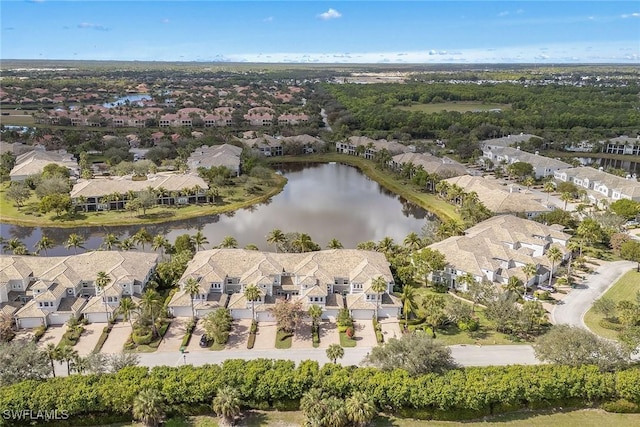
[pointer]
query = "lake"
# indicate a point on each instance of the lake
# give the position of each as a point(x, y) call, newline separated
point(323, 200)
point(133, 100)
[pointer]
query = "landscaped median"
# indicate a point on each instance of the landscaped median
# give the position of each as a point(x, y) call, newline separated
point(430, 202)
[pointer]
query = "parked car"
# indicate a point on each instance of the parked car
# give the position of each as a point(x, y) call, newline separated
point(546, 288)
point(204, 342)
point(530, 298)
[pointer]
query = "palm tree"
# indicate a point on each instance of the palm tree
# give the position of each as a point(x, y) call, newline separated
point(379, 286)
point(151, 306)
point(142, 237)
point(303, 242)
point(74, 241)
point(127, 244)
point(566, 197)
point(528, 182)
point(160, 242)
point(548, 188)
point(53, 353)
point(43, 244)
point(67, 354)
point(276, 237)
point(226, 404)
point(110, 241)
point(252, 293)
point(412, 241)
point(335, 352)
point(315, 312)
point(408, 299)
point(360, 409)
point(127, 308)
point(199, 239)
point(148, 407)
point(229, 242)
point(192, 287)
point(554, 254)
point(513, 284)
point(252, 247)
point(102, 281)
point(385, 245)
point(15, 246)
point(334, 244)
point(529, 271)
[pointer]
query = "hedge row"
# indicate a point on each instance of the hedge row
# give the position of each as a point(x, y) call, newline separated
point(262, 383)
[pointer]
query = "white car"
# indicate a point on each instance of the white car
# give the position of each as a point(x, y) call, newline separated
point(530, 298)
point(546, 288)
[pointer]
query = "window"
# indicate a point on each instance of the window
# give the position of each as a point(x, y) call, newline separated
point(229, 280)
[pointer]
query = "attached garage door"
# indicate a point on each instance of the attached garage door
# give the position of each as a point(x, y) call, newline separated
point(265, 316)
point(203, 312)
point(59, 318)
point(96, 317)
point(241, 313)
point(181, 311)
point(362, 314)
point(30, 322)
point(389, 313)
point(329, 314)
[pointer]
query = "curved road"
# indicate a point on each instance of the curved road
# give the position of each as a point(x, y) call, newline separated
point(576, 304)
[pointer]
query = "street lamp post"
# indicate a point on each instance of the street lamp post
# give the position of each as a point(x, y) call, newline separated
point(184, 357)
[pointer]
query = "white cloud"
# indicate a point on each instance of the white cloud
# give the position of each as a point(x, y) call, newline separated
point(631, 15)
point(165, 21)
point(268, 19)
point(330, 14)
point(90, 26)
point(505, 13)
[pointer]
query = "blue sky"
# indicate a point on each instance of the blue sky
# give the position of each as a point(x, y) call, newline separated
point(320, 31)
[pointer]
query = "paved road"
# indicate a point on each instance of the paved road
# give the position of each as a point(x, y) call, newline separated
point(579, 300)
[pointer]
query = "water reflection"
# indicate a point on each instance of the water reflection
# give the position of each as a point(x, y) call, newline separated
point(323, 200)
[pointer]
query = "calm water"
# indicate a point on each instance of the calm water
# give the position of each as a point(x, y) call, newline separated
point(133, 99)
point(325, 201)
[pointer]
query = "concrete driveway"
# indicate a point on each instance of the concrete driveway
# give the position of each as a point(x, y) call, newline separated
point(117, 337)
point(173, 337)
point(52, 335)
point(239, 334)
point(266, 336)
point(302, 338)
point(194, 343)
point(390, 329)
point(329, 333)
point(89, 338)
point(365, 336)
point(579, 300)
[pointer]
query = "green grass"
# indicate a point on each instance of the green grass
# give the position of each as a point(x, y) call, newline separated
point(16, 119)
point(461, 107)
point(345, 341)
point(410, 192)
point(216, 347)
point(624, 289)
point(283, 340)
point(29, 215)
point(574, 418)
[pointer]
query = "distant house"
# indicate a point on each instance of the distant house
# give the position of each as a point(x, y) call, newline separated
point(260, 116)
point(33, 162)
point(293, 119)
point(51, 290)
point(623, 145)
point(266, 145)
point(507, 141)
point(226, 155)
point(332, 279)
point(443, 167)
point(600, 185)
point(367, 147)
point(542, 166)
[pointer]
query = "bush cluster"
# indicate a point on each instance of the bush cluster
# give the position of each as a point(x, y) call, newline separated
point(263, 383)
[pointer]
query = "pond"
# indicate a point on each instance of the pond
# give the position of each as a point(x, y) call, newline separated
point(133, 100)
point(323, 200)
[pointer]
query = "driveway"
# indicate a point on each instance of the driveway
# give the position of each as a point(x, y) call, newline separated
point(239, 334)
point(302, 338)
point(579, 300)
point(89, 338)
point(329, 333)
point(173, 337)
point(52, 335)
point(266, 336)
point(390, 329)
point(365, 336)
point(194, 342)
point(117, 337)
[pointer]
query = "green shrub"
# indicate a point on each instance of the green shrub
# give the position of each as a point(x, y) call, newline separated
point(163, 328)
point(186, 339)
point(344, 318)
point(251, 341)
point(254, 327)
point(621, 406)
point(342, 328)
point(379, 337)
point(470, 325)
point(604, 323)
point(543, 295)
point(39, 332)
point(286, 405)
point(142, 339)
point(102, 339)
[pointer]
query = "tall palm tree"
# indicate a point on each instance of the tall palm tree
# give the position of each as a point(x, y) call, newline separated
point(127, 244)
point(160, 242)
point(67, 354)
point(53, 353)
point(110, 241)
point(360, 409)
point(151, 307)
point(199, 239)
point(276, 237)
point(554, 254)
point(303, 242)
point(102, 281)
point(229, 242)
point(513, 284)
point(334, 244)
point(252, 293)
point(15, 246)
point(412, 241)
point(566, 197)
point(335, 352)
point(548, 188)
point(227, 404)
point(127, 308)
point(529, 271)
point(142, 237)
point(74, 241)
point(43, 244)
point(315, 312)
point(379, 286)
point(408, 299)
point(528, 182)
point(148, 407)
point(386, 245)
point(192, 287)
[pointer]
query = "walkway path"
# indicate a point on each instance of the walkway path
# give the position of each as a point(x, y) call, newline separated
point(576, 304)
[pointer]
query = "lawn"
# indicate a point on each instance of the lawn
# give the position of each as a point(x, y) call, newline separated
point(345, 341)
point(29, 214)
point(624, 289)
point(461, 107)
point(17, 119)
point(283, 340)
point(410, 192)
point(576, 418)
